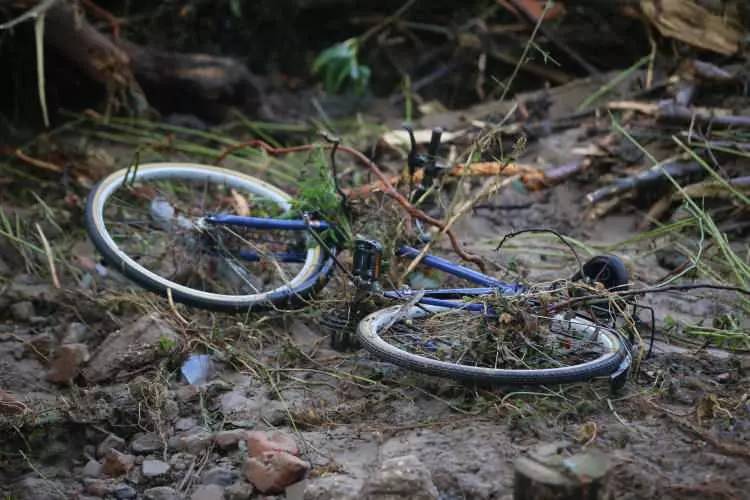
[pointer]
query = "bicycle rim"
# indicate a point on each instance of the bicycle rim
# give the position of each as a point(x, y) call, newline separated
point(149, 223)
point(473, 346)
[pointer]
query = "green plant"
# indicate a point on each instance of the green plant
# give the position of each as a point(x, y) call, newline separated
point(317, 193)
point(340, 69)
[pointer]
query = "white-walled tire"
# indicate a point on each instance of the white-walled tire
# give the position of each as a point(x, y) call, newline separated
point(306, 277)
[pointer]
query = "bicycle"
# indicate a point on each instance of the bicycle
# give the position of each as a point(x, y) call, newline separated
point(185, 231)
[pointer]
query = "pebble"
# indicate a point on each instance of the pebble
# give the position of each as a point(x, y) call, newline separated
point(75, 333)
point(111, 442)
point(22, 311)
point(41, 345)
point(161, 493)
point(239, 491)
point(185, 424)
point(92, 469)
point(273, 471)
point(117, 463)
point(97, 487)
point(194, 442)
point(146, 442)
point(339, 486)
point(400, 477)
point(208, 492)
point(229, 439)
point(220, 476)
point(259, 442)
point(124, 491)
point(66, 365)
point(154, 468)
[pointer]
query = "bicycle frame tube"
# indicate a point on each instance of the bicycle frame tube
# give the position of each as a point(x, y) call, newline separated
point(267, 223)
point(461, 272)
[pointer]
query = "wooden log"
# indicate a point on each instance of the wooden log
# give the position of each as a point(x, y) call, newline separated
point(551, 472)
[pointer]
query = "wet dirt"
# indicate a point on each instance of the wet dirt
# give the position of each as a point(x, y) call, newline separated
point(680, 429)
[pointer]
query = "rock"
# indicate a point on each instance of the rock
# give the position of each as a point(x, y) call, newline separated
point(98, 487)
point(185, 424)
point(146, 442)
point(76, 333)
point(259, 442)
point(195, 441)
point(66, 365)
point(41, 345)
point(10, 405)
point(154, 468)
point(239, 491)
point(134, 346)
point(337, 486)
point(161, 493)
point(208, 492)
point(22, 311)
point(111, 442)
point(124, 491)
point(34, 488)
point(181, 461)
point(220, 476)
point(273, 471)
point(229, 439)
point(92, 469)
point(238, 408)
point(117, 463)
point(400, 477)
point(187, 393)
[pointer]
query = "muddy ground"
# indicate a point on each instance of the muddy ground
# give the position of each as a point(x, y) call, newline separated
point(680, 429)
point(93, 365)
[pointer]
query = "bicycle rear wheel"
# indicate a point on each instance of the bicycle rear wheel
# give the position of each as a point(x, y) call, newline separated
point(150, 224)
point(477, 347)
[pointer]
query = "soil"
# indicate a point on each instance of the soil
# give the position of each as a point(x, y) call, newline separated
point(679, 429)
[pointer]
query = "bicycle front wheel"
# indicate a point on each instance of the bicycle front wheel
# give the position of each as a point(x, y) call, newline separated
point(473, 346)
point(150, 223)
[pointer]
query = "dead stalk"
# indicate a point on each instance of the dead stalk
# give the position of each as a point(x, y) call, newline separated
point(50, 258)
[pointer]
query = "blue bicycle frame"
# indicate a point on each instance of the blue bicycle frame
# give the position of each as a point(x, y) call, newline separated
point(438, 297)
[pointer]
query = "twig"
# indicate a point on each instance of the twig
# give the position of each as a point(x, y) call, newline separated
point(50, 258)
point(544, 230)
point(35, 469)
point(33, 13)
point(388, 188)
point(662, 289)
point(488, 190)
point(38, 163)
point(174, 308)
point(39, 45)
point(732, 449)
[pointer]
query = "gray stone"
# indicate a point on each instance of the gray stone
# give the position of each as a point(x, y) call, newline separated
point(111, 442)
point(92, 469)
point(400, 477)
point(124, 491)
point(220, 476)
point(33, 488)
point(146, 442)
point(161, 493)
point(76, 333)
point(134, 346)
point(239, 491)
point(339, 486)
point(194, 442)
point(185, 424)
point(154, 468)
point(208, 492)
point(22, 311)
